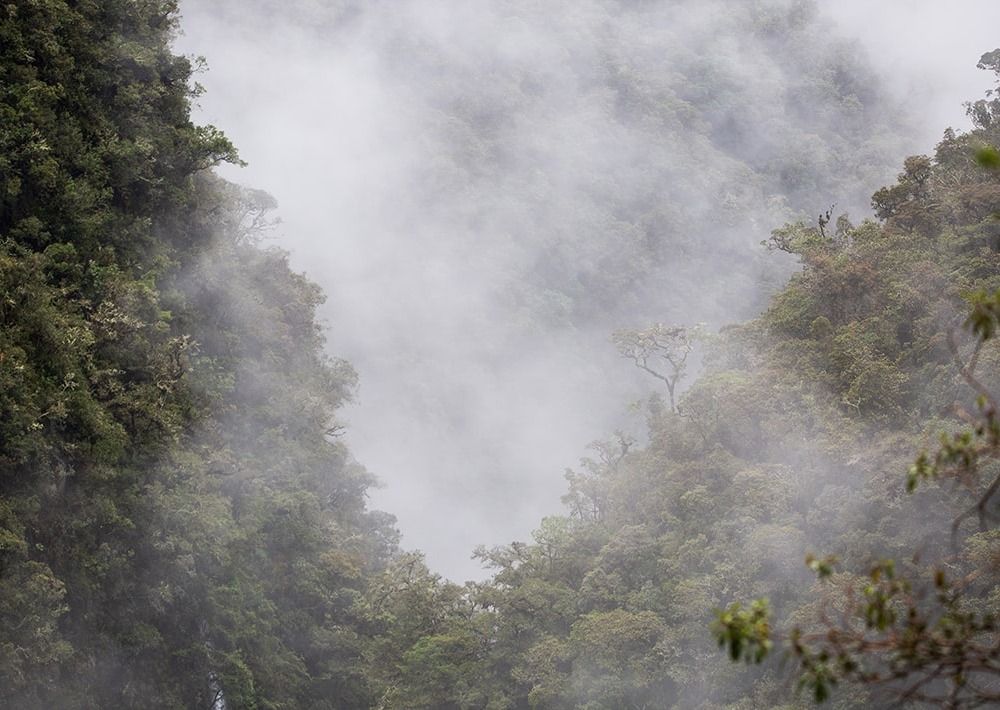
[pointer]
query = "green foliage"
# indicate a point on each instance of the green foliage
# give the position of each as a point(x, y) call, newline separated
point(746, 633)
point(985, 314)
point(174, 507)
point(988, 157)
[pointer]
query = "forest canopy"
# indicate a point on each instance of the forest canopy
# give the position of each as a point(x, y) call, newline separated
point(173, 508)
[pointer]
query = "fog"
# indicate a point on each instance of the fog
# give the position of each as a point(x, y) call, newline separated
point(929, 49)
point(471, 404)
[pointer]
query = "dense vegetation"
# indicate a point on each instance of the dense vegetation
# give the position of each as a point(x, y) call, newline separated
point(173, 505)
point(179, 519)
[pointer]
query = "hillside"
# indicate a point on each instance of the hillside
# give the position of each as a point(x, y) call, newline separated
point(176, 512)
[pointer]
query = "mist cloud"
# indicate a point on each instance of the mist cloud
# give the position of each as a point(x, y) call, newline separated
point(435, 218)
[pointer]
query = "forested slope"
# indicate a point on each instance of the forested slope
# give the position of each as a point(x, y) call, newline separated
point(174, 505)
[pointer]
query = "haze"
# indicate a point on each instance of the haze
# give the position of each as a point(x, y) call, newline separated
point(466, 412)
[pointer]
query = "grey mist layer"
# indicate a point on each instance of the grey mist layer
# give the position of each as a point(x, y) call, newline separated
point(485, 190)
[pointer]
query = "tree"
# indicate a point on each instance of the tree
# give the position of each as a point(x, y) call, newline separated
point(986, 112)
point(660, 350)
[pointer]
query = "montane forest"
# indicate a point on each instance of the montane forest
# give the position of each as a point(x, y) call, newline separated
point(705, 230)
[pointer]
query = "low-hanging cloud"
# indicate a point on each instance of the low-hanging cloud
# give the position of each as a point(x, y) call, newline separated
point(463, 184)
